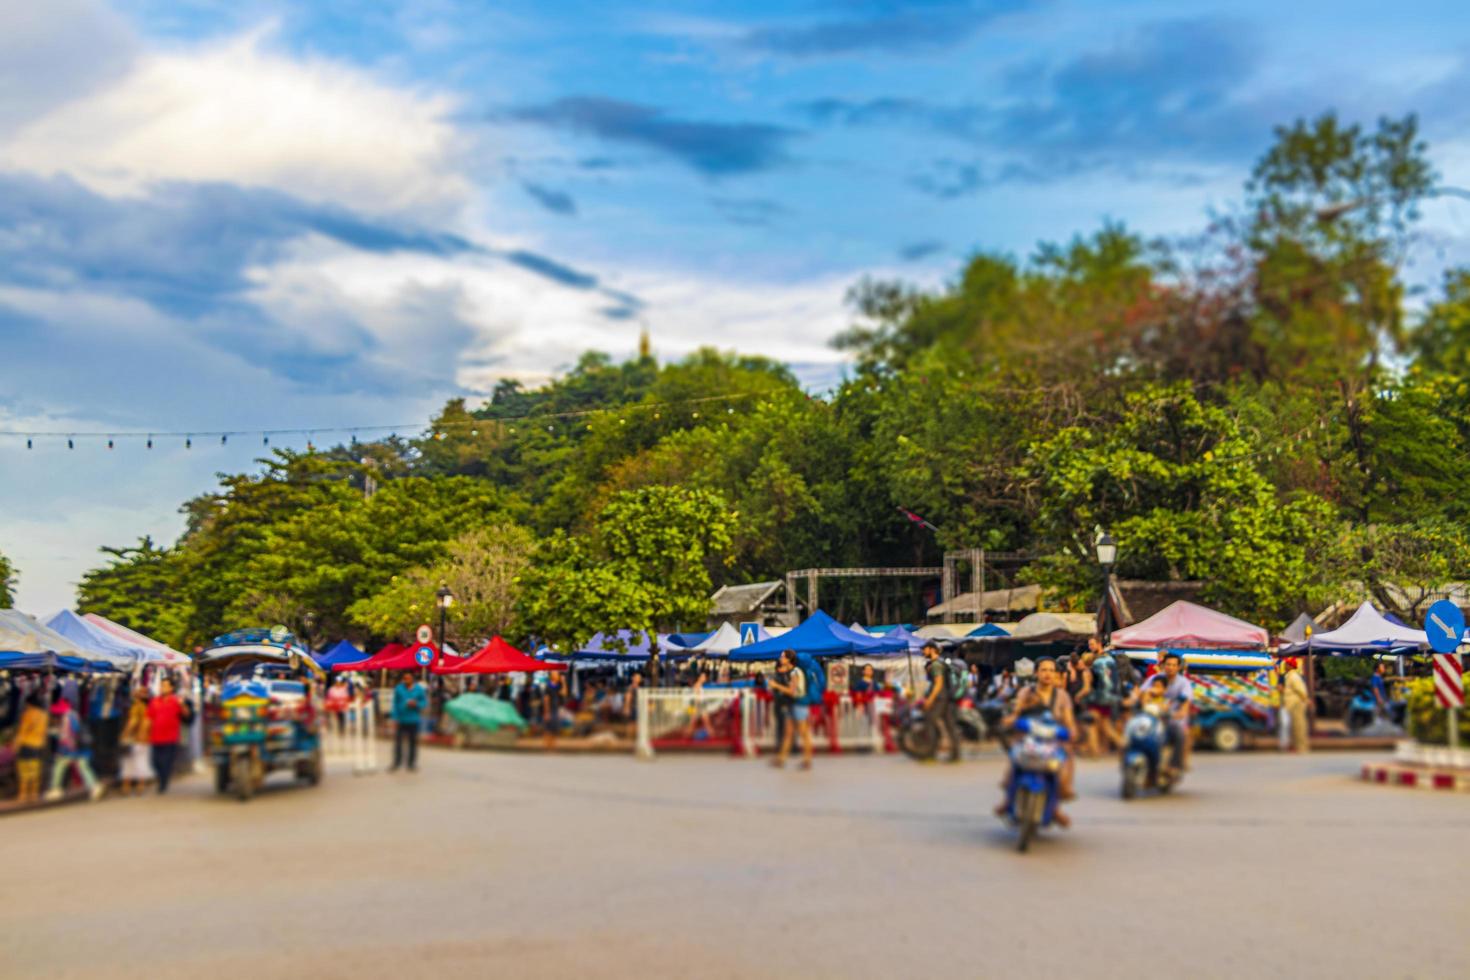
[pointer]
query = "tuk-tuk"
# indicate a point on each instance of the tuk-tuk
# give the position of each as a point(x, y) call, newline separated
point(260, 716)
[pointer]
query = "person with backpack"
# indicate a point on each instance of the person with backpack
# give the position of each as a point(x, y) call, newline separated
point(1105, 695)
point(71, 752)
point(944, 681)
point(793, 681)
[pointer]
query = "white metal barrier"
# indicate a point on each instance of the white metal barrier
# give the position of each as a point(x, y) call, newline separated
point(351, 736)
point(672, 713)
point(679, 713)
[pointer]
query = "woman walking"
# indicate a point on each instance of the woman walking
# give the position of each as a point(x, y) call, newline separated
point(136, 768)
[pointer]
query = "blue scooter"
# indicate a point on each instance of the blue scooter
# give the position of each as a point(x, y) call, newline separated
point(1145, 741)
point(1034, 784)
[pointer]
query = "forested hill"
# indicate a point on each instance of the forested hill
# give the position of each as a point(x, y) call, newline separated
point(1257, 407)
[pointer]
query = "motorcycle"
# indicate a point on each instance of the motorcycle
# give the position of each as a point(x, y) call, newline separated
point(918, 734)
point(1034, 785)
point(1145, 739)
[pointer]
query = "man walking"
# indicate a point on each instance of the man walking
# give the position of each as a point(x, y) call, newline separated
point(939, 702)
point(409, 700)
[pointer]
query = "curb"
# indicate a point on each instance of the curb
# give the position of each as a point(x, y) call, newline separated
point(1417, 777)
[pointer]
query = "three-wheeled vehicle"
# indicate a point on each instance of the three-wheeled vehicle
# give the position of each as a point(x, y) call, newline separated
point(260, 712)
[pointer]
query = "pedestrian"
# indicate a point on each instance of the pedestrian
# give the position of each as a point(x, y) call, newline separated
point(792, 682)
point(136, 771)
point(1378, 688)
point(940, 698)
point(1294, 701)
point(71, 754)
point(1106, 693)
point(29, 743)
point(409, 701)
point(167, 716)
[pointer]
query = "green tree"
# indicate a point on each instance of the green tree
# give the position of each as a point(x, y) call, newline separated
point(141, 587)
point(7, 583)
point(1178, 485)
point(645, 565)
point(481, 568)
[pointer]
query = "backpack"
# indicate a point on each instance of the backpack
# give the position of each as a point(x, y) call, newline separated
point(957, 680)
point(816, 678)
point(1106, 681)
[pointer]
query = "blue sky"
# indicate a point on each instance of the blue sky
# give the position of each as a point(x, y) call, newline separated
point(248, 214)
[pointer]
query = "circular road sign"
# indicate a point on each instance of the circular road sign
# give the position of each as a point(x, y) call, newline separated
point(424, 656)
point(423, 634)
point(1445, 625)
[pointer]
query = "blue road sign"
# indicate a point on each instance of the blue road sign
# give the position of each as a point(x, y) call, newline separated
point(1445, 625)
point(424, 655)
point(749, 633)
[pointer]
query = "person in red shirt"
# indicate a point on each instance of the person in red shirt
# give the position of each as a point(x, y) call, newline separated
point(167, 715)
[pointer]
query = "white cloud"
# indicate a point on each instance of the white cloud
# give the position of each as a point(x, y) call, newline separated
point(57, 50)
point(240, 112)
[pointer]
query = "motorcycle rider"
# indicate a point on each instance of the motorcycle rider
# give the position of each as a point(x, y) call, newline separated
point(1180, 692)
point(939, 702)
point(1047, 696)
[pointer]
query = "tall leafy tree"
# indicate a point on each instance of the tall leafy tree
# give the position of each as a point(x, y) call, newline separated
point(7, 583)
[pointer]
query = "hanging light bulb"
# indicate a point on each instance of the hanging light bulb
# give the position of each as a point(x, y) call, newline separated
point(474, 432)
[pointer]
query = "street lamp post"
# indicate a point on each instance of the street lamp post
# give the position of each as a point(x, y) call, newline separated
point(446, 599)
point(1107, 555)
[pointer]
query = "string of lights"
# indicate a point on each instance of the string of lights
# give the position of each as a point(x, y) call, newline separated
point(436, 428)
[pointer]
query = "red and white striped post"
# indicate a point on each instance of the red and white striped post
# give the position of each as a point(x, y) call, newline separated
point(1449, 689)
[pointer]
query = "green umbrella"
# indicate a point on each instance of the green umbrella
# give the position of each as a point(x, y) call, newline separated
point(485, 712)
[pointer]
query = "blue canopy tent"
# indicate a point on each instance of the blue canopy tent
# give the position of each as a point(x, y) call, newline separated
point(98, 644)
point(622, 646)
point(988, 629)
point(340, 652)
point(820, 636)
point(685, 641)
point(52, 661)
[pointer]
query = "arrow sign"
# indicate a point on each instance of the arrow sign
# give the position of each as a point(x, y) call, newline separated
point(1445, 625)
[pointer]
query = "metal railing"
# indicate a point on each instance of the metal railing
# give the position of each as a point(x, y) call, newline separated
point(746, 722)
point(351, 735)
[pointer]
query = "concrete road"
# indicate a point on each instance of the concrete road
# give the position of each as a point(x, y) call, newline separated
point(524, 866)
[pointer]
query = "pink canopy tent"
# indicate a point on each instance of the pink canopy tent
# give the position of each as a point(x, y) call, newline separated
point(1186, 625)
point(168, 655)
point(495, 657)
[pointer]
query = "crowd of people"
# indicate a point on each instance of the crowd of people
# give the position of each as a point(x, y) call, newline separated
point(62, 732)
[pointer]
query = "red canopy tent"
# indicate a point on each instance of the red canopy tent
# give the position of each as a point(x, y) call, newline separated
point(394, 656)
point(496, 657)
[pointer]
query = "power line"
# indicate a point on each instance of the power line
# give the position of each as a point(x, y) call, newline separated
point(433, 426)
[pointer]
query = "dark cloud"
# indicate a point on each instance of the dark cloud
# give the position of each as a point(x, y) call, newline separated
point(551, 269)
point(949, 179)
point(892, 26)
point(184, 248)
point(187, 248)
point(751, 211)
point(920, 250)
point(1169, 92)
point(715, 149)
point(557, 202)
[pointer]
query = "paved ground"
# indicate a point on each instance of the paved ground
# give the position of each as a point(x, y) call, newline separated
point(524, 866)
